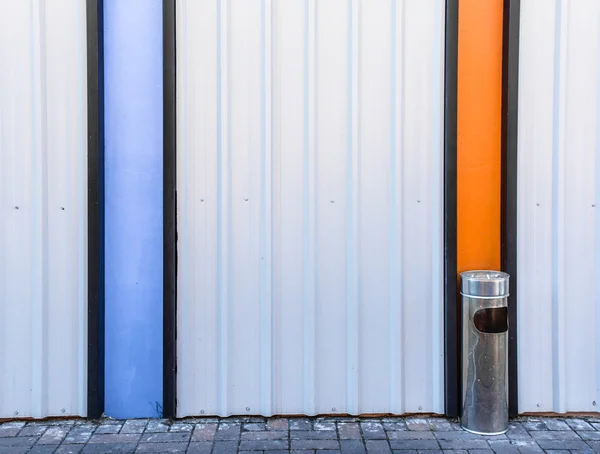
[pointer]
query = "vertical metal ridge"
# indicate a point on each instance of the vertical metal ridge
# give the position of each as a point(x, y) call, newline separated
point(436, 203)
point(397, 382)
point(39, 207)
point(310, 151)
point(558, 197)
point(95, 208)
point(451, 306)
point(266, 209)
point(597, 224)
point(352, 207)
point(224, 196)
point(510, 99)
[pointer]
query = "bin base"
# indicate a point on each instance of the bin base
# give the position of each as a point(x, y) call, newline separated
point(484, 433)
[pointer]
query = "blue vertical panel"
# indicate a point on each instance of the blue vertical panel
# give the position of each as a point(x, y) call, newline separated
point(134, 215)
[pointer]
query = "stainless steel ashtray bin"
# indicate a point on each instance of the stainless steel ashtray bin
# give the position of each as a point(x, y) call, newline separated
point(484, 352)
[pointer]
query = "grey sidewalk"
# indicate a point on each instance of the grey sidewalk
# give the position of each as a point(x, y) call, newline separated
point(277, 435)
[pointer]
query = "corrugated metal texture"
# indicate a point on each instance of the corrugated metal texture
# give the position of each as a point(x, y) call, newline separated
point(558, 215)
point(310, 159)
point(43, 253)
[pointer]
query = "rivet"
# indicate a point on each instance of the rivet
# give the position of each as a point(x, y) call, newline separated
point(16, 208)
point(537, 204)
point(62, 208)
point(332, 201)
point(63, 410)
point(420, 408)
point(201, 200)
point(593, 205)
point(201, 412)
point(16, 413)
point(333, 409)
point(538, 405)
point(594, 403)
point(247, 408)
point(418, 201)
point(246, 199)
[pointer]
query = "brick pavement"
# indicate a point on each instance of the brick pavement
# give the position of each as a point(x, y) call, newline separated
point(252, 435)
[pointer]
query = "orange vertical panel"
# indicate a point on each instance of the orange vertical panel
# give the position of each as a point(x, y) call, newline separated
point(479, 133)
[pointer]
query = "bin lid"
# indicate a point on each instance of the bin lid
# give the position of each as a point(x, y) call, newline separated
point(484, 283)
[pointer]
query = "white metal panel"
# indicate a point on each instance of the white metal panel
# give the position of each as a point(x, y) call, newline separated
point(43, 193)
point(558, 215)
point(309, 181)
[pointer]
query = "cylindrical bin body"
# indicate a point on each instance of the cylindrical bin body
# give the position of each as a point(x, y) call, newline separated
point(484, 352)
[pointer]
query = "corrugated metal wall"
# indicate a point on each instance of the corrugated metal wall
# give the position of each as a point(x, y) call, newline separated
point(310, 177)
point(43, 193)
point(559, 206)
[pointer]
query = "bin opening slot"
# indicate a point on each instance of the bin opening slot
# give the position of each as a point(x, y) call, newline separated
point(493, 320)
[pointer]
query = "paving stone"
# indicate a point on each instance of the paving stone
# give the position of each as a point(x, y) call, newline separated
point(254, 427)
point(454, 451)
point(595, 425)
point(69, 449)
point(481, 451)
point(395, 425)
point(204, 432)
point(324, 426)
point(349, 431)
point(313, 435)
point(134, 426)
point(562, 444)
point(54, 435)
point(267, 435)
point(225, 447)
point(315, 444)
point(79, 434)
point(109, 429)
point(17, 441)
point(555, 435)
point(414, 444)
point(263, 445)
point(43, 449)
point(300, 424)
point(157, 425)
point(457, 435)
point(13, 425)
point(408, 451)
point(378, 446)
point(31, 431)
point(162, 447)
point(503, 446)
point(417, 424)
point(556, 424)
point(228, 431)
point(114, 438)
point(411, 435)
point(352, 447)
point(527, 446)
point(14, 450)
point(170, 437)
point(108, 448)
point(589, 435)
point(203, 447)
point(463, 444)
point(373, 430)
point(578, 424)
point(277, 424)
point(534, 425)
point(595, 445)
point(440, 424)
point(9, 431)
point(558, 451)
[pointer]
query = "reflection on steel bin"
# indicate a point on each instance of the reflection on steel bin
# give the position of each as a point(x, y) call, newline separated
point(484, 352)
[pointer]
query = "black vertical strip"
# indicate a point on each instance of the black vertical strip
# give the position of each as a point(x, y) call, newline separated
point(170, 212)
point(95, 129)
point(510, 99)
point(451, 307)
